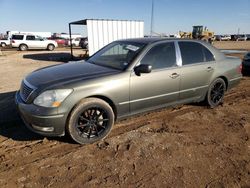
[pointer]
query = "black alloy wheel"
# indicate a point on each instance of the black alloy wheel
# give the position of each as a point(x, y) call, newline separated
point(216, 92)
point(90, 121)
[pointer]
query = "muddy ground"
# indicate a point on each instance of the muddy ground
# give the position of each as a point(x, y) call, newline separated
point(189, 146)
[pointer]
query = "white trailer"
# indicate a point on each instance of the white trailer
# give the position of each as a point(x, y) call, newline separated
point(102, 32)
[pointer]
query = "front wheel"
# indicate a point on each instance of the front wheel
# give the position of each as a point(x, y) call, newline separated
point(90, 121)
point(216, 93)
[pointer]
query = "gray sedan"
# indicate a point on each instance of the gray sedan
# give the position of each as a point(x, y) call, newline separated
point(124, 78)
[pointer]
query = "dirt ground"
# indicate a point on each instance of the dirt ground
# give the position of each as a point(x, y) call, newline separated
point(188, 146)
point(239, 45)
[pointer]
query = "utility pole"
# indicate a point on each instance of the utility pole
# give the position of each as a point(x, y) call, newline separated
point(238, 31)
point(152, 19)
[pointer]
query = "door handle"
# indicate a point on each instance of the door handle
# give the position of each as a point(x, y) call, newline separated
point(209, 69)
point(174, 75)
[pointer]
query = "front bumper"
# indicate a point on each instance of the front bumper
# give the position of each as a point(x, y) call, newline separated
point(44, 121)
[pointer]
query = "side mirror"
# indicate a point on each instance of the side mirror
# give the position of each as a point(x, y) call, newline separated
point(143, 68)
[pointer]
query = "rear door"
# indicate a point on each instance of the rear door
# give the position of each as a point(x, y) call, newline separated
point(198, 65)
point(159, 87)
point(31, 41)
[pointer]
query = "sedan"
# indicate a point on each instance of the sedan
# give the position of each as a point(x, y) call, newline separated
point(246, 64)
point(59, 40)
point(126, 77)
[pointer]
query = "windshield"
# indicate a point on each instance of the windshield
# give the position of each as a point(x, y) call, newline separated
point(117, 55)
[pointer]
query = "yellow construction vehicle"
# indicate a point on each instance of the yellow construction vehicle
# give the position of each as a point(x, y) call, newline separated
point(184, 34)
point(199, 32)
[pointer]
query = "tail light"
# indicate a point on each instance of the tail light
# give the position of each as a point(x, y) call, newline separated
point(239, 69)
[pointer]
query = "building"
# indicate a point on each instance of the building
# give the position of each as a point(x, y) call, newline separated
point(102, 32)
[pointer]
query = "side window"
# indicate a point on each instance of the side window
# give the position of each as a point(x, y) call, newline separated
point(208, 55)
point(191, 52)
point(17, 37)
point(161, 56)
point(30, 37)
point(38, 38)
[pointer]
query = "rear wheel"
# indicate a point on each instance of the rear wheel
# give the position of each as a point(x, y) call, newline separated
point(51, 47)
point(23, 47)
point(91, 120)
point(216, 92)
point(3, 44)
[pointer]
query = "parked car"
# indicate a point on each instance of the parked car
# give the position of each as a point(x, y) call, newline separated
point(124, 78)
point(218, 37)
point(59, 40)
point(225, 37)
point(241, 38)
point(84, 43)
point(4, 42)
point(246, 64)
point(75, 42)
point(222, 37)
point(248, 36)
point(27, 41)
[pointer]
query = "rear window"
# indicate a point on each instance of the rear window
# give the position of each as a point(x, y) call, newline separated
point(192, 53)
point(17, 37)
point(208, 55)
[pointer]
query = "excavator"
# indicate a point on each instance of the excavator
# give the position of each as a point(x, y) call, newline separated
point(199, 32)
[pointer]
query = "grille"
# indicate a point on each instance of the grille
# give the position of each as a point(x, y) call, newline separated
point(26, 90)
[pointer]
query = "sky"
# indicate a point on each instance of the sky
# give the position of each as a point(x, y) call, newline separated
point(170, 16)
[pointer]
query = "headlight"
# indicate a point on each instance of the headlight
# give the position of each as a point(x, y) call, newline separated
point(52, 98)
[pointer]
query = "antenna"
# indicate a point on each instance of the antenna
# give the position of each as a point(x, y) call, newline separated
point(152, 18)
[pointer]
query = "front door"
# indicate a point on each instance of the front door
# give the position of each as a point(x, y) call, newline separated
point(161, 86)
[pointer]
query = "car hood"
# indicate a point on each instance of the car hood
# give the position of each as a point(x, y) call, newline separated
point(67, 73)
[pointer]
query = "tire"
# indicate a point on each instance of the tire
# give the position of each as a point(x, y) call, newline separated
point(3, 44)
point(216, 92)
point(23, 47)
point(90, 121)
point(51, 47)
point(204, 39)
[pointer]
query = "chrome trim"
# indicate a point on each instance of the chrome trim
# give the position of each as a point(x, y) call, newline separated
point(201, 87)
point(163, 95)
point(30, 86)
point(43, 129)
point(238, 78)
point(47, 117)
point(178, 54)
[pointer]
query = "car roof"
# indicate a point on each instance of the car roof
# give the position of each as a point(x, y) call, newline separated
point(149, 40)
